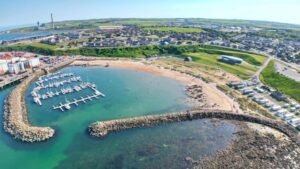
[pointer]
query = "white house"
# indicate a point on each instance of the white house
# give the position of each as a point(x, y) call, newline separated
point(34, 62)
point(16, 68)
point(3, 67)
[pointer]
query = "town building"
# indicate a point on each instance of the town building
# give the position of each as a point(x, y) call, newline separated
point(34, 62)
point(3, 67)
point(16, 63)
point(16, 68)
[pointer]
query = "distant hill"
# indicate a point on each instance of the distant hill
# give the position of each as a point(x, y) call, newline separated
point(93, 23)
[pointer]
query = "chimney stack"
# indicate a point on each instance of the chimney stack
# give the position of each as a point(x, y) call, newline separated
point(52, 22)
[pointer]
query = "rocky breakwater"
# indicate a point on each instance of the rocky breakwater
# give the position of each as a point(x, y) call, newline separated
point(101, 129)
point(15, 115)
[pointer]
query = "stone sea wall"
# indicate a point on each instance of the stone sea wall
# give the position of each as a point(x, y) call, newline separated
point(15, 115)
point(15, 121)
point(101, 129)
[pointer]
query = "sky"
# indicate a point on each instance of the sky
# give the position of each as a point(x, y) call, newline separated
point(24, 12)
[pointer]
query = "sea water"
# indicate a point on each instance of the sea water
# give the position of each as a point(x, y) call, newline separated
point(128, 93)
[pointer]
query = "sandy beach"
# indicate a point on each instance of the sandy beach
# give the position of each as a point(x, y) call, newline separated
point(214, 97)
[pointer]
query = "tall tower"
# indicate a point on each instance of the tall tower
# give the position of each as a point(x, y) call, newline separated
point(52, 22)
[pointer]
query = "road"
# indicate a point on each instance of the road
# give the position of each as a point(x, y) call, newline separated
point(261, 68)
point(287, 71)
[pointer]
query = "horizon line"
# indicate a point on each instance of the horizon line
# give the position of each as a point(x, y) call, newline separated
point(10, 27)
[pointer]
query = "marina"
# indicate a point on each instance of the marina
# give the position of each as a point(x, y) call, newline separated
point(58, 84)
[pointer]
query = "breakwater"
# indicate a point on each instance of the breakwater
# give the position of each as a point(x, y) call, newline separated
point(101, 129)
point(16, 122)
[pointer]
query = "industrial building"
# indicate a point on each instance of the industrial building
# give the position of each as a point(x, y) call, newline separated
point(231, 59)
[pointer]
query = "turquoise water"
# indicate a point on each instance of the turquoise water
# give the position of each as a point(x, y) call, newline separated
point(128, 93)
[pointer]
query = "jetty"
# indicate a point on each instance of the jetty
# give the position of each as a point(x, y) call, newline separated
point(101, 129)
point(63, 91)
point(67, 105)
point(12, 80)
point(15, 115)
point(53, 77)
point(41, 85)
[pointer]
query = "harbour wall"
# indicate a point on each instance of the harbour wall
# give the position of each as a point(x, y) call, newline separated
point(16, 122)
point(101, 129)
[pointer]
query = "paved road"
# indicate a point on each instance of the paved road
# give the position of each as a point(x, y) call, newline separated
point(292, 65)
point(256, 75)
point(287, 71)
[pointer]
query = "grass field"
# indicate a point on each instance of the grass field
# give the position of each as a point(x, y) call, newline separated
point(243, 71)
point(174, 29)
point(280, 82)
point(202, 54)
point(38, 45)
point(251, 58)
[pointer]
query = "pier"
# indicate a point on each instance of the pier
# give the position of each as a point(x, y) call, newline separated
point(63, 91)
point(53, 77)
point(12, 80)
point(67, 105)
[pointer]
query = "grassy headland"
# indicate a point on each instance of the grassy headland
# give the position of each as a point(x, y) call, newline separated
point(243, 71)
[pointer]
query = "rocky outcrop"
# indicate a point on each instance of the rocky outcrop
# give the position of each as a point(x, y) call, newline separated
point(15, 114)
point(252, 149)
point(101, 129)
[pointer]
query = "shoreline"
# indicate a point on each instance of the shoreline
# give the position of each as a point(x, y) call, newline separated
point(17, 124)
point(214, 98)
point(253, 149)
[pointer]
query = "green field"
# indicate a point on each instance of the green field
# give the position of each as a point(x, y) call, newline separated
point(202, 54)
point(280, 82)
point(243, 71)
point(252, 58)
point(174, 29)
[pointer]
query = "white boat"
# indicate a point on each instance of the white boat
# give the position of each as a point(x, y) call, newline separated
point(67, 106)
point(44, 97)
point(37, 101)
